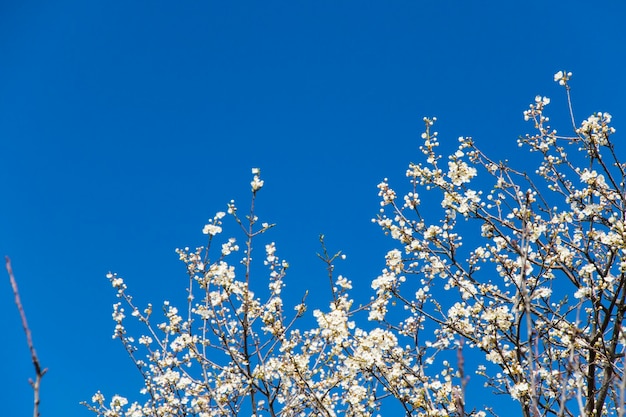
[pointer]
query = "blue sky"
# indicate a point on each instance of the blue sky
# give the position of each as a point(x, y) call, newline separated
point(124, 126)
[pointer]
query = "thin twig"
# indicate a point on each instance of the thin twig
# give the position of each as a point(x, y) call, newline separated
point(39, 372)
point(460, 400)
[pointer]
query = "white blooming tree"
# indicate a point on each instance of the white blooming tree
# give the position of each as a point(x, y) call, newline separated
point(523, 272)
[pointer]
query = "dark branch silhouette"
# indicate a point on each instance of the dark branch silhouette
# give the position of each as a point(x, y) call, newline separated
point(39, 372)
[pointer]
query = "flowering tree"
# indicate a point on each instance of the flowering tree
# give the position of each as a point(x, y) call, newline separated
point(535, 295)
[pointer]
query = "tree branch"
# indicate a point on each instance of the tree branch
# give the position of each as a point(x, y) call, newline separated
point(39, 372)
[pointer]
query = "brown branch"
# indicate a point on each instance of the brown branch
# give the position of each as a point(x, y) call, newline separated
point(39, 372)
point(460, 400)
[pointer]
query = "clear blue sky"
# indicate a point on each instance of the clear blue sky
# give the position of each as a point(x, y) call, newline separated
point(124, 126)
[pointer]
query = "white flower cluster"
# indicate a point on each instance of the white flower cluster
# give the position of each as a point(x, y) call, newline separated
point(562, 77)
point(214, 226)
point(257, 182)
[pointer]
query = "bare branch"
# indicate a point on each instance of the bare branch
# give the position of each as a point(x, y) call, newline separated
point(39, 372)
